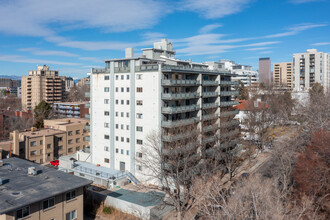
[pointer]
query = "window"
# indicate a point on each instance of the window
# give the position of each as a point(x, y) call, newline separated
point(127, 89)
point(139, 115)
point(122, 114)
point(41, 142)
point(48, 203)
point(127, 76)
point(70, 150)
point(138, 76)
point(77, 140)
point(41, 151)
point(106, 89)
point(117, 77)
point(127, 140)
point(127, 114)
point(122, 76)
point(117, 126)
point(138, 154)
point(77, 148)
point(138, 141)
point(122, 127)
point(122, 151)
point(106, 77)
point(106, 148)
point(127, 102)
point(116, 114)
point(117, 101)
point(106, 113)
point(117, 138)
point(106, 101)
point(106, 160)
point(106, 125)
point(106, 137)
point(122, 102)
point(122, 89)
point(33, 143)
point(77, 131)
point(117, 150)
point(49, 146)
point(71, 215)
point(139, 167)
point(116, 89)
point(127, 152)
point(139, 128)
point(139, 89)
point(70, 141)
point(139, 102)
point(69, 133)
point(70, 195)
point(127, 127)
point(23, 212)
point(60, 147)
point(122, 139)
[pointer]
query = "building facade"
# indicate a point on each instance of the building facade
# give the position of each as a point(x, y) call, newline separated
point(245, 74)
point(71, 109)
point(134, 97)
point(37, 192)
point(41, 84)
point(265, 71)
point(310, 68)
point(283, 75)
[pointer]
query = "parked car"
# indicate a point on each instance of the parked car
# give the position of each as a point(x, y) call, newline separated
point(54, 163)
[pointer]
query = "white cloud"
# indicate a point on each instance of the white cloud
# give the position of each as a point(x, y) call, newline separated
point(296, 29)
point(35, 17)
point(266, 52)
point(208, 28)
point(92, 59)
point(262, 44)
point(305, 1)
point(215, 8)
point(37, 51)
point(321, 44)
point(258, 48)
point(22, 59)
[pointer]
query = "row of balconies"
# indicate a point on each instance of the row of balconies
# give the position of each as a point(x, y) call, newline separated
point(190, 82)
point(192, 95)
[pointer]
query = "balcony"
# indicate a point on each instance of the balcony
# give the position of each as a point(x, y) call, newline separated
point(208, 140)
point(230, 133)
point(179, 82)
point(228, 83)
point(87, 94)
point(229, 113)
point(179, 109)
point(209, 94)
point(209, 117)
point(182, 122)
point(170, 96)
point(210, 83)
point(210, 128)
point(210, 105)
point(87, 138)
point(228, 93)
point(87, 127)
point(229, 123)
point(147, 68)
point(171, 138)
point(87, 116)
point(87, 105)
point(228, 103)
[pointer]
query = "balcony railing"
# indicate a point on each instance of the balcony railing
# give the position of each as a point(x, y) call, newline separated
point(171, 138)
point(210, 105)
point(210, 83)
point(229, 113)
point(210, 94)
point(210, 128)
point(209, 117)
point(146, 68)
point(178, 109)
point(228, 83)
point(228, 93)
point(177, 82)
point(229, 123)
point(228, 103)
point(170, 96)
point(179, 122)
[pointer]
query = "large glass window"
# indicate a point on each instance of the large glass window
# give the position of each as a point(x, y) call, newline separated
point(48, 203)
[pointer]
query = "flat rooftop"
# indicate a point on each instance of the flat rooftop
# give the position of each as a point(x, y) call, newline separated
point(70, 103)
point(41, 132)
point(19, 189)
point(66, 121)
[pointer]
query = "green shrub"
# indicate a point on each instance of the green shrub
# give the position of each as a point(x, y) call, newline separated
point(108, 210)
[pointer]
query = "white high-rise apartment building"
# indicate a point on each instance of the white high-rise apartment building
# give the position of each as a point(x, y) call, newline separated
point(135, 96)
point(309, 68)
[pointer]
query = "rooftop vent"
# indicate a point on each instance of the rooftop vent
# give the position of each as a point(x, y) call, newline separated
point(32, 171)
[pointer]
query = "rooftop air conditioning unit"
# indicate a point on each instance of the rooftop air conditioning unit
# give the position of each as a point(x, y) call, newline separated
point(32, 171)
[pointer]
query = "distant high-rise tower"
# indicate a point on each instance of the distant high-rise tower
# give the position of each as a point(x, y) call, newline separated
point(41, 84)
point(265, 71)
point(282, 75)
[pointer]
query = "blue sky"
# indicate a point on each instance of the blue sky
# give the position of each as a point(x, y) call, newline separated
point(74, 36)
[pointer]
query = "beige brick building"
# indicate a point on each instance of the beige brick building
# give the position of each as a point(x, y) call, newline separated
point(48, 194)
point(59, 137)
point(42, 84)
point(283, 75)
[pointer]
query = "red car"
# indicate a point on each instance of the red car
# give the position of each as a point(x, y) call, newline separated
point(54, 163)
